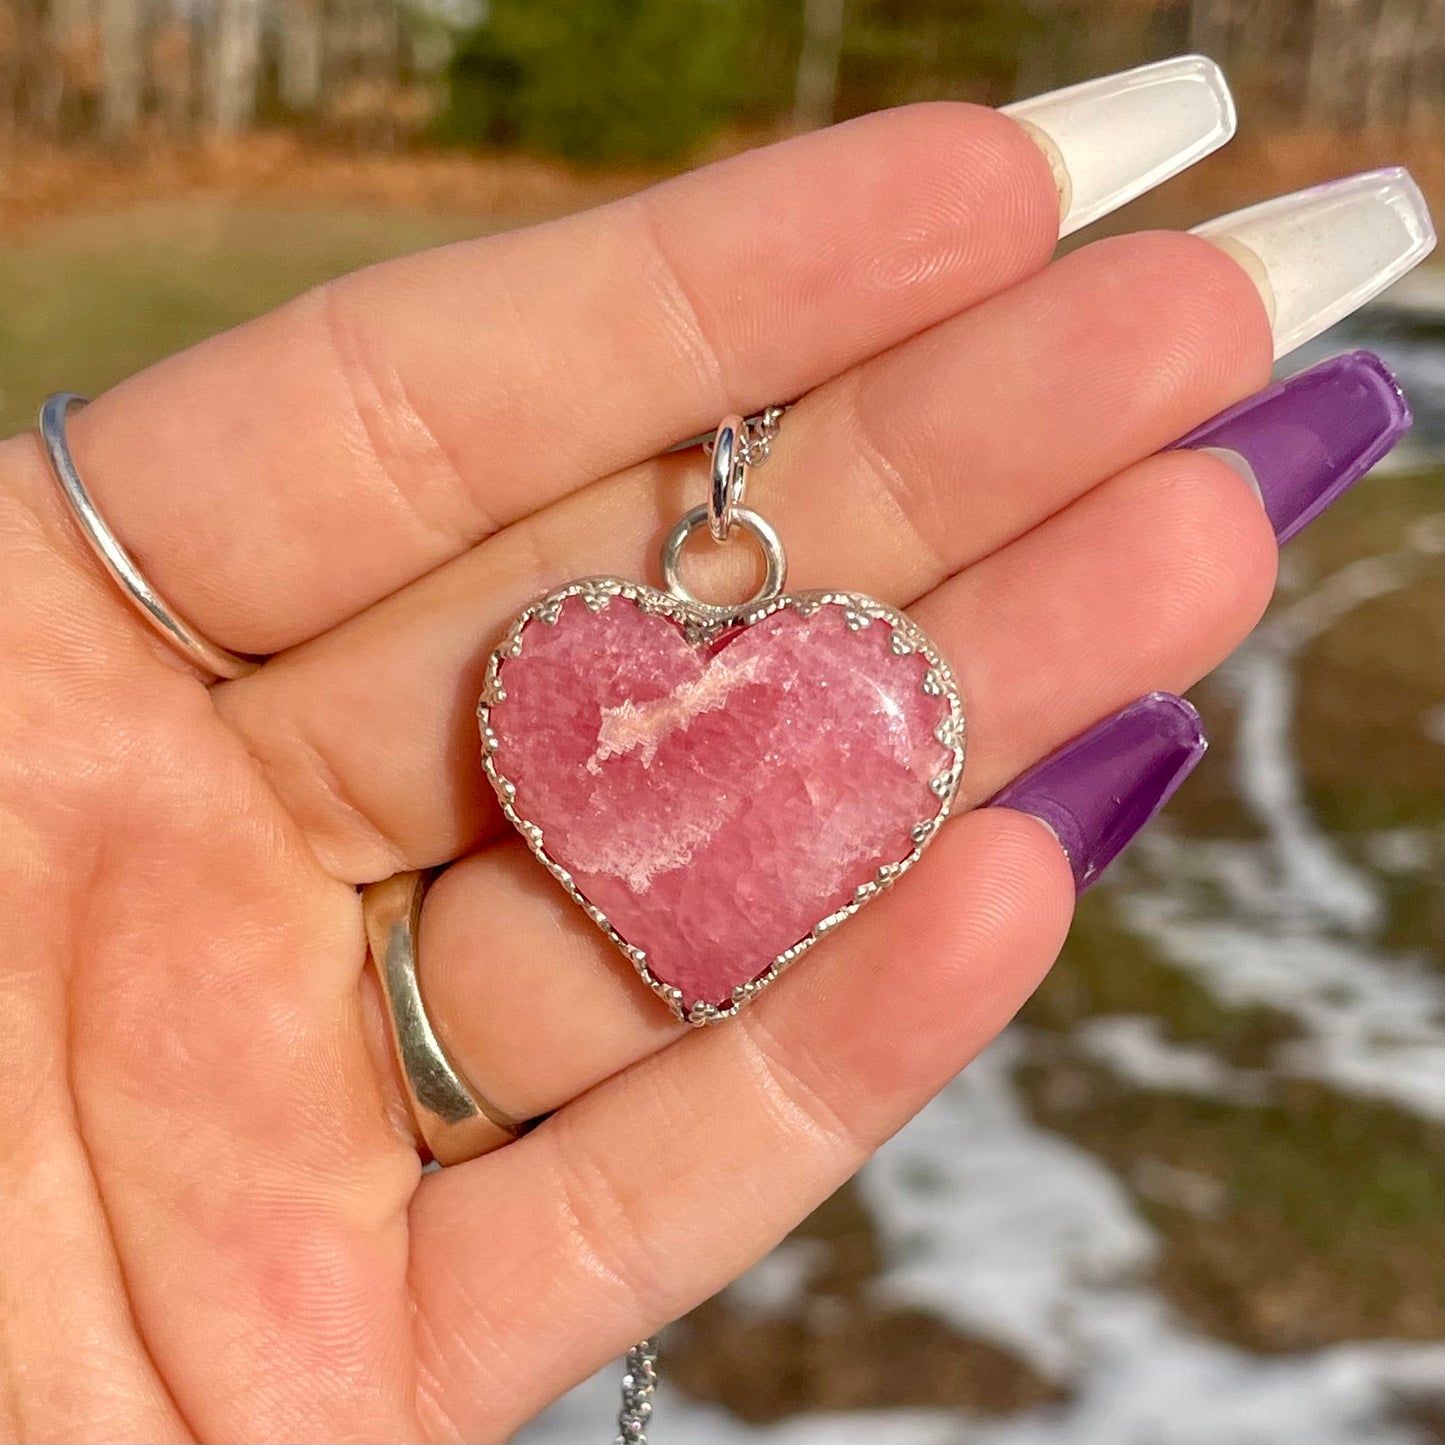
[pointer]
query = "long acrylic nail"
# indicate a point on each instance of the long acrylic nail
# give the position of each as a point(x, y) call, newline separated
point(1304, 442)
point(1318, 255)
point(1098, 791)
point(1114, 138)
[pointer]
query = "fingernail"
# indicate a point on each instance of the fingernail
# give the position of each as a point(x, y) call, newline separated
point(1098, 791)
point(1111, 139)
point(1318, 255)
point(1304, 442)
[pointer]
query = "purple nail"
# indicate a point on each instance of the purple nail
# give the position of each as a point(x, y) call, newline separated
point(1098, 791)
point(1306, 441)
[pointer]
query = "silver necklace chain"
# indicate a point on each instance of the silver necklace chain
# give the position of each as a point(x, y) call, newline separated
point(758, 434)
point(639, 1384)
point(755, 443)
point(639, 1378)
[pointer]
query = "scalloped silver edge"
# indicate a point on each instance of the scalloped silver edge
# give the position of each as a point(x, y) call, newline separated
point(701, 623)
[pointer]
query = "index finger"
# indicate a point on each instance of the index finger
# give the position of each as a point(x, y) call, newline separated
point(277, 479)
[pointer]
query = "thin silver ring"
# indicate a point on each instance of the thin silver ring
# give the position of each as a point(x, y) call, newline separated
point(775, 559)
point(200, 651)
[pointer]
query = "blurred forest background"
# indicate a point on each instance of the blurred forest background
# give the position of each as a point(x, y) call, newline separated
point(652, 80)
point(457, 116)
point(1194, 1196)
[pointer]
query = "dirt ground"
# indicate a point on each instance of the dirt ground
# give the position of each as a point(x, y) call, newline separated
point(39, 183)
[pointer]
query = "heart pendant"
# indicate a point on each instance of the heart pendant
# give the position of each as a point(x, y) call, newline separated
point(718, 790)
point(718, 787)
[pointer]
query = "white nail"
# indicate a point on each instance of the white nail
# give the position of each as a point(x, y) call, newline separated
point(1322, 253)
point(1116, 137)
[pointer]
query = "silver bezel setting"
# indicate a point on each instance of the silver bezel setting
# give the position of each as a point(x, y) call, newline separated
point(701, 623)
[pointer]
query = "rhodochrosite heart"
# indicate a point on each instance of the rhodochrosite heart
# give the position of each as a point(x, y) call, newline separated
point(717, 789)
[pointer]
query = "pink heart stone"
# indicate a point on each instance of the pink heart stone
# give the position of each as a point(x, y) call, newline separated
point(715, 790)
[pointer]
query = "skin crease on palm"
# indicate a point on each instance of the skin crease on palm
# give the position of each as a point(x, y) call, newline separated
point(213, 1222)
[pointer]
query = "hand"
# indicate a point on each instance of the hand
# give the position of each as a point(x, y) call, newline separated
point(216, 1225)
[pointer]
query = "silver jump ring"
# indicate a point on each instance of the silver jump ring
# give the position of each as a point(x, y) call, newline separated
point(729, 476)
point(200, 651)
point(775, 560)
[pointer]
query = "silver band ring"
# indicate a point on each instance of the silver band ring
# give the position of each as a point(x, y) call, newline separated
point(198, 650)
point(455, 1121)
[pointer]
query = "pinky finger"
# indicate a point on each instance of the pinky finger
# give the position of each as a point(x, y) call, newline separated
point(533, 1266)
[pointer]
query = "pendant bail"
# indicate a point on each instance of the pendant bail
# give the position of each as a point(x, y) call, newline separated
point(738, 443)
point(729, 476)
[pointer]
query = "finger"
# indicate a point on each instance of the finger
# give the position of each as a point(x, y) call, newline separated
point(1144, 584)
point(279, 477)
point(647, 1195)
point(886, 481)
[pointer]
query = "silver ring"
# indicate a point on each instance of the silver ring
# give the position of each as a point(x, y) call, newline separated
point(196, 649)
point(455, 1121)
point(775, 560)
point(729, 477)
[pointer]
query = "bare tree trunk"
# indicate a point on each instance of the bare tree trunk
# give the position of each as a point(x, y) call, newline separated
point(1338, 64)
point(1327, 64)
point(1387, 63)
point(70, 41)
point(235, 65)
point(1042, 58)
point(122, 71)
point(11, 60)
point(300, 58)
point(815, 94)
point(363, 68)
point(173, 75)
point(1209, 28)
point(1426, 77)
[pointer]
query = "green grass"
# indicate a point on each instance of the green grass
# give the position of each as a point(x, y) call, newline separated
point(1327, 1227)
point(1369, 683)
point(1105, 970)
point(85, 302)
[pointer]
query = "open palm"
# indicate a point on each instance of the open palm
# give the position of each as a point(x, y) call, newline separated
point(215, 1223)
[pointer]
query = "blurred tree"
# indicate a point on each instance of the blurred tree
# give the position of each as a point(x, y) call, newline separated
point(815, 94)
point(1340, 65)
point(172, 74)
point(73, 77)
point(369, 96)
point(897, 51)
point(12, 69)
point(233, 63)
point(300, 38)
point(651, 80)
point(604, 79)
point(122, 69)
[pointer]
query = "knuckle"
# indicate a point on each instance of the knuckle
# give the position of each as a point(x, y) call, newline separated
point(1213, 544)
point(693, 336)
point(336, 819)
point(386, 424)
point(1195, 304)
point(808, 1094)
point(894, 450)
point(602, 1224)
